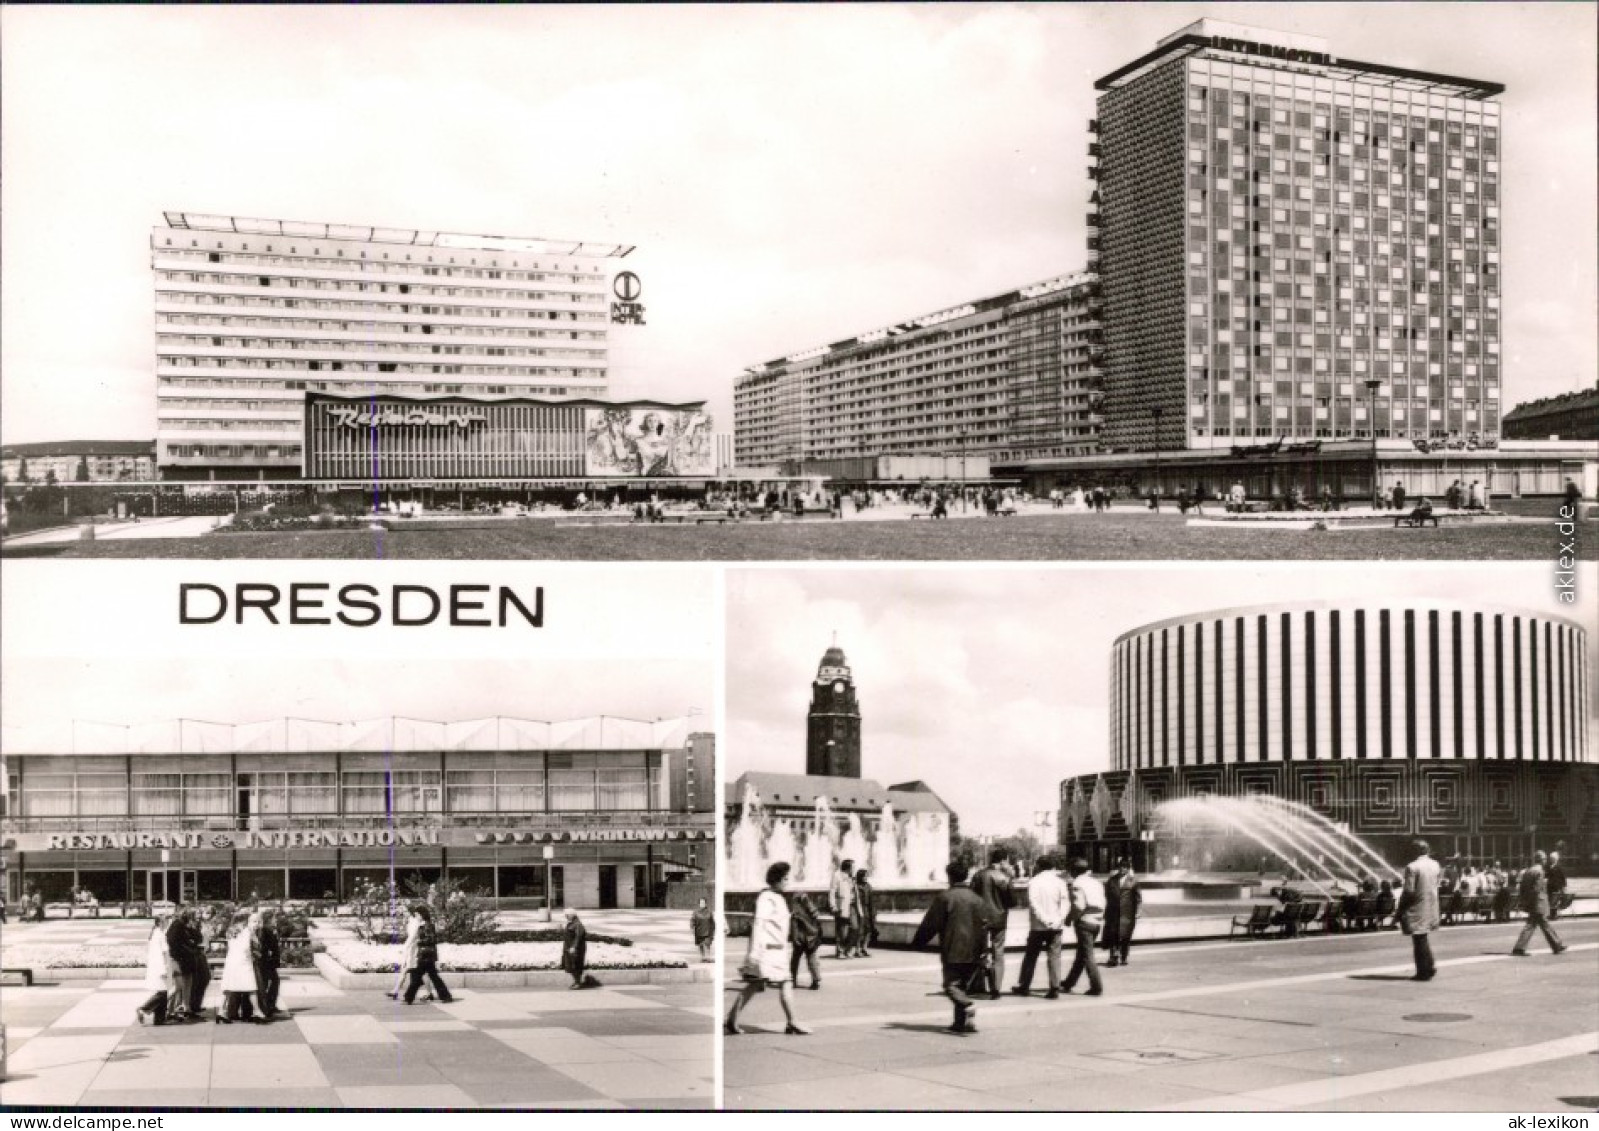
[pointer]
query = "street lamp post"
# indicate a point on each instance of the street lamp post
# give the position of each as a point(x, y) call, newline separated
point(1371, 388)
point(1157, 413)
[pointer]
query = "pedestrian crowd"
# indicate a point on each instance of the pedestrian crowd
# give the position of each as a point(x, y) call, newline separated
point(178, 969)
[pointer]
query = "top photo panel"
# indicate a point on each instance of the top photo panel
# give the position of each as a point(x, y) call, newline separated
point(923, 282)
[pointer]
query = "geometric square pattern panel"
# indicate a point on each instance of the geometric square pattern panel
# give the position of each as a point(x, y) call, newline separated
point(1123, 816)
point(1501, 801)
point(1443, 807)
point(1100, 806)
point(1152, 787)
point(1077, 811)
point(1584, 791)
point(1554, 801)
point(1263, 778)
point(1321, 788)
point(1379, 799)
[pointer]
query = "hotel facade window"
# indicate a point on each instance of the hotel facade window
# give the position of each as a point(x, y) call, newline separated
point(1011, 376)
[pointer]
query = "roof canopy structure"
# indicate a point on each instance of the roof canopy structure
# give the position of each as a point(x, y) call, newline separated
point(393, 734)
point(242, 225)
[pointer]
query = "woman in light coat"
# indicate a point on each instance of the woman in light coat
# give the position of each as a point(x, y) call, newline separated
point(766, 963)
point(158, 970)
point(238, 972)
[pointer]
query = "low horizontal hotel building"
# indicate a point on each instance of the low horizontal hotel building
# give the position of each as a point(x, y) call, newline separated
point(297, 809)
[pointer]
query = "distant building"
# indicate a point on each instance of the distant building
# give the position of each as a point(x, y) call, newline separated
point(691, 776)
point(1010, 376)
point(1569, 416)
point(74, 461)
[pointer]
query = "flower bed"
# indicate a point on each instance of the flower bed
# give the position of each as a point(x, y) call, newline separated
point(78, 956)
point(371, 958)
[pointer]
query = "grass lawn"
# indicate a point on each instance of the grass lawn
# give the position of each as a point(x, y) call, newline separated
point(1125, 536)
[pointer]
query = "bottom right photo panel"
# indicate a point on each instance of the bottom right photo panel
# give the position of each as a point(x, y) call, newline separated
point(1148, 838)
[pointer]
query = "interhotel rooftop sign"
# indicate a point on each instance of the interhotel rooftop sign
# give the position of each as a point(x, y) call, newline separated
point(251, 838)
point(406, 417)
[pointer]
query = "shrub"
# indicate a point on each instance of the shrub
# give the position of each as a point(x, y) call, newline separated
point(378, 911)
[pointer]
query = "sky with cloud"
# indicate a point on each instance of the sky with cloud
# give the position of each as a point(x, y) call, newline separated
point(791, 175)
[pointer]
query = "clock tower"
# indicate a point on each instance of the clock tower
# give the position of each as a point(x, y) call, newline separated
point(833, 724)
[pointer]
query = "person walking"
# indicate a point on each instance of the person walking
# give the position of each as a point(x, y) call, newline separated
point(864, 919)
point(574, 949)
point(1418, 909)
point(1533, 896)
point(960, 920)
point(238, 972)
point(703, 924)
point(1122, 901)
point(993, 886)
point(179, 950)
point(766, 962)
point(841, 902)
point(805, 938)
point(269, 957)
point(1086, 897)
point(1046, 919)
point(158, 967)
point(422, 954)
point(1555, 877)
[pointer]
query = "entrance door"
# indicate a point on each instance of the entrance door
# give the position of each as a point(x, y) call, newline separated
point(155, 886)
point(607, 886)
point(190, 886)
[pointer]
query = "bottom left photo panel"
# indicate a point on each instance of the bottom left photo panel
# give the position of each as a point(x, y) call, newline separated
point(400, 867)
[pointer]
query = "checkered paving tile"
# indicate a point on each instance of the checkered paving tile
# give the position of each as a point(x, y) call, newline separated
point(76, 1043)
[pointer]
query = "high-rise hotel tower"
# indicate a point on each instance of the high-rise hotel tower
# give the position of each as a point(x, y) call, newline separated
point(250, 315)
point(1293, 245)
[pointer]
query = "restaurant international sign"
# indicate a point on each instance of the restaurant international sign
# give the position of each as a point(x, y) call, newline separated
point(250, 838)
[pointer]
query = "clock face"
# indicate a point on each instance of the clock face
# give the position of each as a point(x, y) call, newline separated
point(838, 688)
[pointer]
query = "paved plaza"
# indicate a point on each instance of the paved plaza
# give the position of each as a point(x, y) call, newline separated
point(75, 1043)
point(1327, 1023)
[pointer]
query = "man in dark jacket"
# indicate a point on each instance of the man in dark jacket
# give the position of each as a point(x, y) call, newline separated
point(186, 941)
point(183, 962)
point(1555, 878)
point(805, 935)
point(1122, 901)
point(961, 920)
point(993, 886)
point(269, 958)
point(1534, 899)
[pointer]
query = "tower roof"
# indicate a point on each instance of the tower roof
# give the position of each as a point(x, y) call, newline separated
point(834, 658)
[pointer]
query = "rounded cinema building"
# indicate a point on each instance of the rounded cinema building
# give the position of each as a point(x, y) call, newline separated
point(296, 809)
point(1467, 724)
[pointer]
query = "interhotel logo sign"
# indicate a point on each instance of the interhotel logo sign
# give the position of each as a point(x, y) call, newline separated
point(593, 836)
point(406, 417)
point(253, 838)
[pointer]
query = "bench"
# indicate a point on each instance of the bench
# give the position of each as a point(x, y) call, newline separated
point(1255, 924)
point(25, 973)
point(716, 518)
point(1414, 521)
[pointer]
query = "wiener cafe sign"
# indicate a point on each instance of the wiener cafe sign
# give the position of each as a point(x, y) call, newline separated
point(251, 838)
